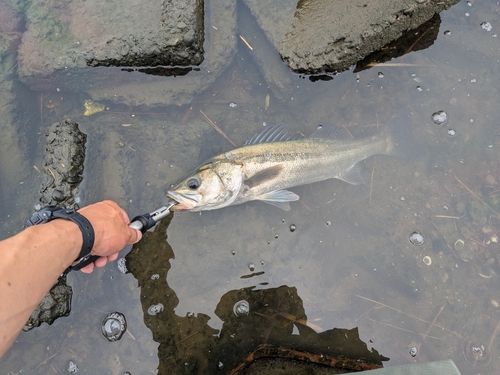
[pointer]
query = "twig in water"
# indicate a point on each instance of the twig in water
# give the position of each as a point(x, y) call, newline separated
point(245, 41)
point(411, 316)
point(433, 322)
point(371, 180)
point(207, 119)
point(475, 195)
point(448, 217)
point(45, 361)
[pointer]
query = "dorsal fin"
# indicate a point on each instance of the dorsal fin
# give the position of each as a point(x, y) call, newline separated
point(329, 131)
point(275, 133)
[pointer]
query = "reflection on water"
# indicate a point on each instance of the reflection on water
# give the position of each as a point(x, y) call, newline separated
point(269, 323)
point(348, 261)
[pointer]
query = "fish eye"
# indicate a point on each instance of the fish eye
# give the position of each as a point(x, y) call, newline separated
point(193, 183)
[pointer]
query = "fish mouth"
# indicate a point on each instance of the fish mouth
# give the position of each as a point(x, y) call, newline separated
point(184, 201)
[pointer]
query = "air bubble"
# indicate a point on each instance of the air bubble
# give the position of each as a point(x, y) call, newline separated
point(293, 227)
point(241, 308)
point(232, 105)
point(114, 326)
point(380, 75)
point(328, 222)
point(439, 117)
point(72, 367)
point(155, 276)
point(486, 26)
point(413, 351)
point(447, 32)
point(419, 89)
point(416, 239)
point(251, 267)
point(122, 265)
point(451, 132)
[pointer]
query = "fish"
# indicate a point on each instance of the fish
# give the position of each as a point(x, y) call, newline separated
point(273, 161)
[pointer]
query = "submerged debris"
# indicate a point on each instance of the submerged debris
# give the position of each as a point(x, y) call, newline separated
point(91, 107)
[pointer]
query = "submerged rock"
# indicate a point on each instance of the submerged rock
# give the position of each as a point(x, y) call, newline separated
point(61, 175)
point(62, 39)
point(333, 35)
point(62, 165)
point(55, 304)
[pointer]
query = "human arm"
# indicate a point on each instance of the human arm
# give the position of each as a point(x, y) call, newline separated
point(32, 260)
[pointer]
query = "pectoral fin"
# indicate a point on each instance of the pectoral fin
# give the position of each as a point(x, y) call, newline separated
point(279, 198)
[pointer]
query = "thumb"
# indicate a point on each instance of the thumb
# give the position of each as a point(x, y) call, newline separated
point(134, 236)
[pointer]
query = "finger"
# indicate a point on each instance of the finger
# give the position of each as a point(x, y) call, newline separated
point(88, 268)
point(112, 257)
point(100, 262)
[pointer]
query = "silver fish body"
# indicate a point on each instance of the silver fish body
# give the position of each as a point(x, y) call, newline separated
point(274, 161)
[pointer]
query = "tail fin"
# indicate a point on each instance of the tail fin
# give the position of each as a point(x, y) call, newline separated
point(400, 141)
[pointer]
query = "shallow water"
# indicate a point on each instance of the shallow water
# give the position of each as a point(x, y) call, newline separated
point(349, 258)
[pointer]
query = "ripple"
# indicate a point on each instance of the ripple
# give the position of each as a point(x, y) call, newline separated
point(439, 117)
point(114, 326)
point(241, 308)
point(477, 354)
point(416, 239)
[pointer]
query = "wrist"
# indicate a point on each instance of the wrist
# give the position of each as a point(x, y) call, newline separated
point(50, 213)
point(72, 236)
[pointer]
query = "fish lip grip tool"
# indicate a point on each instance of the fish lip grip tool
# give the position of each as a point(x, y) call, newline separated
point(141, 222)
point(147, 221)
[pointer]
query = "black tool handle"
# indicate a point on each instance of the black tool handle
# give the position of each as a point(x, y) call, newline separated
point(143, 222)
point(83, 263)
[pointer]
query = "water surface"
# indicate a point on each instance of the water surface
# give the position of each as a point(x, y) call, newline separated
point(349, 257)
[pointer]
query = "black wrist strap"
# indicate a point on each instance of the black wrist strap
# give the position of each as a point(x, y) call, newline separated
point(50, 213)
point(86, 229)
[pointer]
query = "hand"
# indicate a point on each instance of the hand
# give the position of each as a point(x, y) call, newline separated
point(112, 233)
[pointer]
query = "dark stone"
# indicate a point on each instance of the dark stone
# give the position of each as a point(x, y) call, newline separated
point(62, 165)
point(55, 304)
point(331, 36)
point(62, 169)
point(61, 41)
